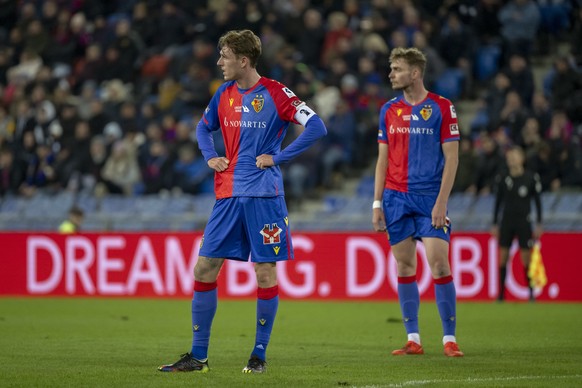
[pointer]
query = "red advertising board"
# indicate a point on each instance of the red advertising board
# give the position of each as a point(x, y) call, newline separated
point(326, 266)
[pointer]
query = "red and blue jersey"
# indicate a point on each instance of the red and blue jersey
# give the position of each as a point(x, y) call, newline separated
point(415, 134)
point(253, 122)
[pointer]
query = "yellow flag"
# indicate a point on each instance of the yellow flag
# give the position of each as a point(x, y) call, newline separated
point(537, 271)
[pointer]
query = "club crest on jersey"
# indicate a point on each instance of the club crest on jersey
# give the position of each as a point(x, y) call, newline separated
point(258, 103)
point(271, 234)
point(426, 112)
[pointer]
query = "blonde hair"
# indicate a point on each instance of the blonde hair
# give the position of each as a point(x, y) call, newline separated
point(412, 56)
point(242, 43)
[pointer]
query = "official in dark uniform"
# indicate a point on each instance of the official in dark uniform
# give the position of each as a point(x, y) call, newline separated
point(515, 191)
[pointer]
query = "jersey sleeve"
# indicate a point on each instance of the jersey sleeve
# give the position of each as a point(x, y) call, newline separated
point(289, 106)
point(450, 125)
point(382, 133)
point(207, 124)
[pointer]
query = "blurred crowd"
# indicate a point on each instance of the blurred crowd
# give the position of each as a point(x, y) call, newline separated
point(104, 96)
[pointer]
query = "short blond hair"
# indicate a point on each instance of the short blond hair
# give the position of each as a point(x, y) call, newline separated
point(412, 56)
point(242, 43)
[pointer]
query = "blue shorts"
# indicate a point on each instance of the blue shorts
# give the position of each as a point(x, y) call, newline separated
point(411, 215)
point(240, 226)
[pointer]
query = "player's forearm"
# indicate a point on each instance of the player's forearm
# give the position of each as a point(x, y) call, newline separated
point(380, 175)
point(448, 179)
point(205, 141)
point(314, 130)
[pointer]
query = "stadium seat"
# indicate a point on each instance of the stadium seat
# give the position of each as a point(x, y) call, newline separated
point(366, 187)
point(487, 62)
point(151, 205)
point(483, 207)
point(569, 203)
point(116, 204)
point(450, 84)
point(549, 200)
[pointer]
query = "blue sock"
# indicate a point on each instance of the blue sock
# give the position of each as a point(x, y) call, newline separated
point(267, 304)
point(203, 309)
point(409, 302)
point(446, 300)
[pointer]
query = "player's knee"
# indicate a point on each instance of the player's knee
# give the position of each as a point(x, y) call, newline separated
point(207, 269)
point(266, 274)
point(440, 268)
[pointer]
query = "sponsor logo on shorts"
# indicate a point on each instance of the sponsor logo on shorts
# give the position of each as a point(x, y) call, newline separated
point(271, 234)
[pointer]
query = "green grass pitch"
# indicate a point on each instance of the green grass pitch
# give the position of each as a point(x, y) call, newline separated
point(84, 342)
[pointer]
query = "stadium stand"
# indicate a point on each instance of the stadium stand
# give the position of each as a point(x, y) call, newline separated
point(91, 88)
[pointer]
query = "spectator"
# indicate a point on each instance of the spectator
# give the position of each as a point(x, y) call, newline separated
point(90, 67)
point(26, 70)
point(566, 86)
point(90, 171)
point(512, 117)
point(531, 137)
point(541, 110)
point(310, 40)
point(486, 23)
point(337, 29)
point(302, 177)
point(7, 126)
point(128, 43)
point(520, 78)
point(576, 37)
point(156, 168)
point(489, 164)
point(337, 153)
point(73, 222)
point(190, 173)
point(456, 46)
point(435, 64)
point(121, 171)
point(40, 172)
point(520, 21)
point(544, 162)
point(143, 24)
point(467, 166)
point(11, 174)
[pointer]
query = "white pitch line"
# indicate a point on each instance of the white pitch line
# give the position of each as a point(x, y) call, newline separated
point(473, 380)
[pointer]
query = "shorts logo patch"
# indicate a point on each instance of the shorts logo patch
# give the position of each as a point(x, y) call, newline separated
point(271, 234)
point(262, 321)
point(276, 249)
point(447, 225)
point(286, 221)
